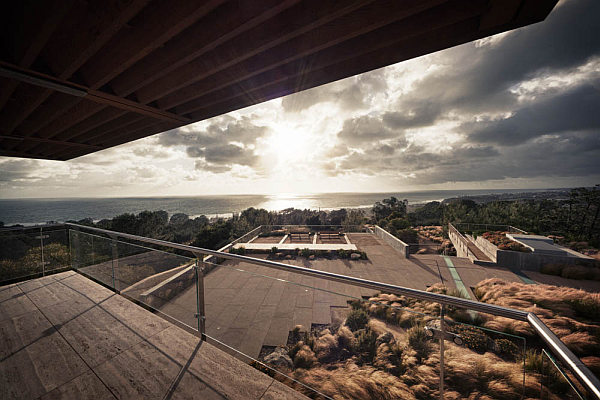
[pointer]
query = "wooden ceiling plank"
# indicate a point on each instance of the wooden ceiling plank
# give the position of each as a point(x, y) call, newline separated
point(151, 28)
point(86, 124)
point(290, 23)
point(120, 138)
point(100, 21)
point(127, 120)
point(287, 57)
point(46, 113)
point(224, 23)
point(433, 41)
point(11, 153)
point(36, 25)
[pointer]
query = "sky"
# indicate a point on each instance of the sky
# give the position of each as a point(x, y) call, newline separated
point(516, 110)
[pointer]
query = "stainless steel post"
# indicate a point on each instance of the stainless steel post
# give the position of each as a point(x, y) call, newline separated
point(442, 340)
point(42, 250)
point(200, 316)
point(115, 260)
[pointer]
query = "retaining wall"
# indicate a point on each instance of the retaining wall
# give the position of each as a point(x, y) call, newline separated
point(459, 242)
point(488, 248)
point(392, 241)
point(533, 261)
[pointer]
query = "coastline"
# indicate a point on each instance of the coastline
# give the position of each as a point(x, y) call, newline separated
point(30, 212)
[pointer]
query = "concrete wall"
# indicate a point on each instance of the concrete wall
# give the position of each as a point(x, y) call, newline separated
point(169, 288)
point(459, 242)
point(533, 261)
point(488, 248)
point(242, 239)
point(392, 241)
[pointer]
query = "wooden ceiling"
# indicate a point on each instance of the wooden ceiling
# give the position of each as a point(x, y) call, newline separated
point(80, 76)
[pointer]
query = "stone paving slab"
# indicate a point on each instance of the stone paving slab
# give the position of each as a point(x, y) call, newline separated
point(105, 347)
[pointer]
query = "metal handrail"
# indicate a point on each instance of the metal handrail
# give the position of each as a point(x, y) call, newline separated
point(583, 374)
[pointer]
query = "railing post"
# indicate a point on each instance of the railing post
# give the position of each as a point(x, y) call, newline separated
point(442, 340)
point(42, 251)
point(200, 316)
point(115, 259)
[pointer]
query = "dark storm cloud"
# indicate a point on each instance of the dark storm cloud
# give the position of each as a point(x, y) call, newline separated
point(570, 154)
point(575, 110)
point(553, 132)
point(225, 142)
point(422, 114)
point(478, 79)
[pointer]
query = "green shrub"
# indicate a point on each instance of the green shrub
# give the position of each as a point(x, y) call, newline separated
point(341, 253)
point(366, 344)
point(357, 319)
point(473, 338)
point(533, 361)
point(274, 249)
point(305, 253)
point(407, 235)
point(552, 269)
point(418, 340)
point(356, 304)
point(240, 251)
point(579, 272)
point(586, 307)
point(508, 349)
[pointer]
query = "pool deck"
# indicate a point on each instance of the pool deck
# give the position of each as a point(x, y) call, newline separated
point(64, 336)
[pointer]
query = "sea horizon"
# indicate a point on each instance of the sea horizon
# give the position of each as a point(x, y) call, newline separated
point(32, 211)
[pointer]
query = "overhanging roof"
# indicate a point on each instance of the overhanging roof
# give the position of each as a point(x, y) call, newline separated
point(81, 76)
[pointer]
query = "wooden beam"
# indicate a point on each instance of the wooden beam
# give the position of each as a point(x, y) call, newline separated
point(290, 23)
point(433, 41)
point(279, 64)
point(100, 21)
point(121, 138)
point(31, 29)
point(51, 141)
point(225, 23)
point(79, 124)
point(127, 121)
point(151, 28)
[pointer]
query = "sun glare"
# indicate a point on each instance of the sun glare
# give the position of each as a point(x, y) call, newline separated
point(289, 146)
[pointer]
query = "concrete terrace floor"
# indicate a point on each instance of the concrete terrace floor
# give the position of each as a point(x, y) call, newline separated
point(64, 336)
point(258, 306)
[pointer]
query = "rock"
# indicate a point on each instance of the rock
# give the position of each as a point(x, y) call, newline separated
point(279, 358)
point(355, 256)
point(311, 257)
point(385, 338)
point(288, 257)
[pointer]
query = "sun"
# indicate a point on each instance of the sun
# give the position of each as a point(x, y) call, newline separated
point(289, 146)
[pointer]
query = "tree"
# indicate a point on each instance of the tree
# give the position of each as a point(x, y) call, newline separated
point(386, 207)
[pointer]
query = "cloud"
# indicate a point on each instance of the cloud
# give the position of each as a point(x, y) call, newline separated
point(353, 93)
point(365, 129)
point(576, 110)
point(225, 142)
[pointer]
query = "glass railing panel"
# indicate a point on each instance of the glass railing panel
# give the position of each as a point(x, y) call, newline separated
point(92, 255)
point(481, 362)
point(320, 336)
point(55, 250)
point(20, 254)
point(555, 380)
point(149, 276)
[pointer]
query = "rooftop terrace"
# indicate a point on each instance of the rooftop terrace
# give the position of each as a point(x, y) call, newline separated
point(210, 330)
point(64, 336)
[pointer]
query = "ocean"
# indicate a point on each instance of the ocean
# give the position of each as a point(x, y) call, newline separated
point(36, 211)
